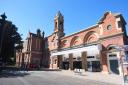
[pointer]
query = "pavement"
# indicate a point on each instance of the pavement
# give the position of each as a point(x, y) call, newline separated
point(58, 77)
point(95, 76)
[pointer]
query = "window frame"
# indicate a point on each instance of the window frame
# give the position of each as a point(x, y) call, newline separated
point(109, 27)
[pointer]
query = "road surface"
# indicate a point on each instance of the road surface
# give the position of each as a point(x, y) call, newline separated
point(44, 78)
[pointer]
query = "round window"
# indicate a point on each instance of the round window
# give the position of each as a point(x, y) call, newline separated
point(109, 27)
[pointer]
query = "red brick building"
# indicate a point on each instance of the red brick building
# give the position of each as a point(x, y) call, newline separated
point(33, 51)
point(92, 49)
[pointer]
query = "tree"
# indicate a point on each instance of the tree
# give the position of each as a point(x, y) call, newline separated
point(10, 40)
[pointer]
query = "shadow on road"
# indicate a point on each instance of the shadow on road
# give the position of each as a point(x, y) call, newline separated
point(47, 69)
point(11, 74)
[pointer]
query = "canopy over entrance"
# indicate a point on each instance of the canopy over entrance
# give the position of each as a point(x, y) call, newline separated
point(91, 50)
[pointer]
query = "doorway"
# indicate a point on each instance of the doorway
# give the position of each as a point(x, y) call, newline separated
point(65, 65)
point(77, 65)
point(94, 66)
point(113, 63)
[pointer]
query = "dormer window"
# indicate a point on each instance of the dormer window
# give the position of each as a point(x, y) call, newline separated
point(119, 24)
point(109, 27)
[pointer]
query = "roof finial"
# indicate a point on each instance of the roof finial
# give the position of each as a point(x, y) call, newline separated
point(43, 34)
point(3, 16)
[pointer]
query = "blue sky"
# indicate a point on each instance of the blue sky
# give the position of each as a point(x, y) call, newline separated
point(78, 14)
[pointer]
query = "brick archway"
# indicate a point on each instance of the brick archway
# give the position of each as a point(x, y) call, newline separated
point(91, 36)
point(75, 41)
point(110, 46)
point(113, 57)
point(64, 43)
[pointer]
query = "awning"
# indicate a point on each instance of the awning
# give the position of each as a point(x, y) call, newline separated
point(91, 51)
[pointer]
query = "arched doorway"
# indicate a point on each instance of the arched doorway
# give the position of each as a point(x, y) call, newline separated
point(113, 60)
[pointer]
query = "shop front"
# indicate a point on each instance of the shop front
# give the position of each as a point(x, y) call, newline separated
point(87, 58)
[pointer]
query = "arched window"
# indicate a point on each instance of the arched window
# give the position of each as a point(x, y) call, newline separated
point(61, 25)
point(75, 41)
point(111, 48)
point(91, 36)
point(64, 43)
point(55, 25)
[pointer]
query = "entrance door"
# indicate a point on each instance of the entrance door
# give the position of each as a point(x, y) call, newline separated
point(89, 65)
point(77, 65)
point(65, 65)
point(94, 66)
point(113, 63)
point(114, 66)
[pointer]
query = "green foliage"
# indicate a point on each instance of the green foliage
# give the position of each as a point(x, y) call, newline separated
point(11, 41)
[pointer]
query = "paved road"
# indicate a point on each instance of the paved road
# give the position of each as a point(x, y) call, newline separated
point(44, 78)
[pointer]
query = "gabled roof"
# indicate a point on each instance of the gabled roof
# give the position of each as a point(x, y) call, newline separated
point(105, 14)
